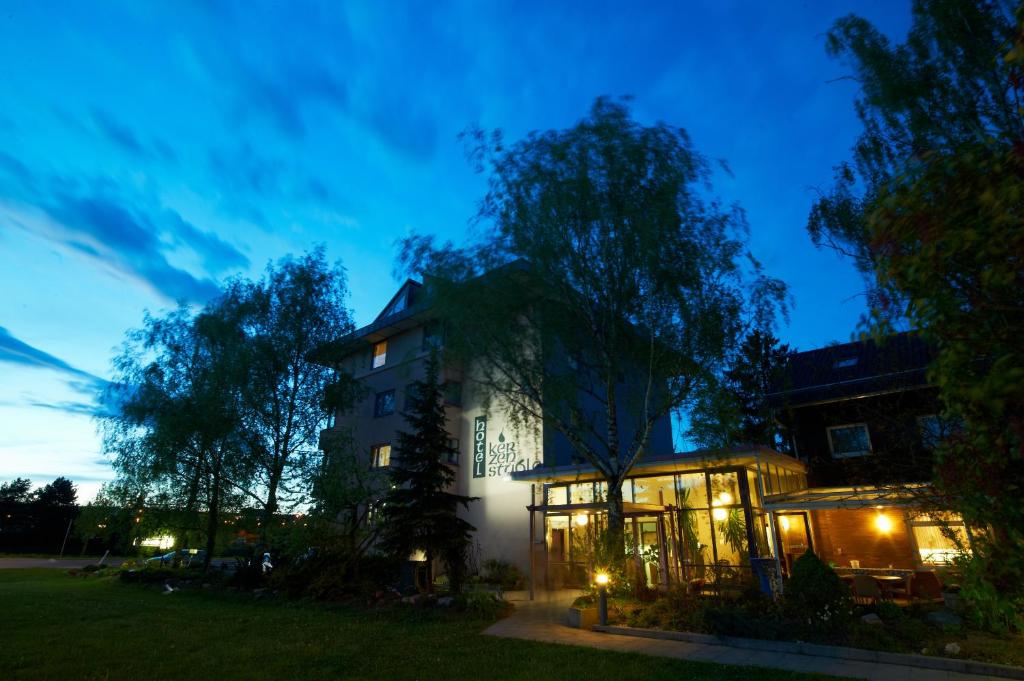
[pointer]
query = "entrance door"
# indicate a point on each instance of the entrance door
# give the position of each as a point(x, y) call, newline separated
point(650, 549)
point(794, 537)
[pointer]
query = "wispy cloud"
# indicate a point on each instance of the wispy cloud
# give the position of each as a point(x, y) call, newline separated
point(17, 351)
point(102, 399)
point(103, 222)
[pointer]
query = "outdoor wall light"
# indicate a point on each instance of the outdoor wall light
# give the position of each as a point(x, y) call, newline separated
point(883, 523)
point(581, 519)
point(784, 521)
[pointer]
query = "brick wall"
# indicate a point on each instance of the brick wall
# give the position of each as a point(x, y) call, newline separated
point(841, 535)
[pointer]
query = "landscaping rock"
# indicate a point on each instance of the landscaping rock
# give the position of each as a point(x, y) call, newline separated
point(952, 649)
point(871, 618)
point(944, 619)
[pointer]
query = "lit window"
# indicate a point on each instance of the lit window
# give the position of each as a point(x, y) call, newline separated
point(381, 456)
point(384, 405)
point(849, 440)
point(939, 541)
point(380, 354)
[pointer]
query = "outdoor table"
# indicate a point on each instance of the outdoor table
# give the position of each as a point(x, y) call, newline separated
point(887, 582)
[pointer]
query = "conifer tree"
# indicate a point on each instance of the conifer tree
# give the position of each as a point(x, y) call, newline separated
point(420, 514)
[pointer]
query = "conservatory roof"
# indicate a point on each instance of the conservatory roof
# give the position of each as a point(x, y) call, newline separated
point(909, 494)
point(677, 462)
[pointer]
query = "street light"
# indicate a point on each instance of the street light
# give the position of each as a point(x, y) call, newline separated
point(602, 579)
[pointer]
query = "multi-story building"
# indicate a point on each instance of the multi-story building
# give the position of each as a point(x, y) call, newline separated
point(387, 356)
point(864, 420)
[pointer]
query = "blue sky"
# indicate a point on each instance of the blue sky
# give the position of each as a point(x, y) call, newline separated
point(148, 150)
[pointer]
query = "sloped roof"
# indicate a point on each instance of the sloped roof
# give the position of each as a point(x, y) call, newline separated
point(855, 369)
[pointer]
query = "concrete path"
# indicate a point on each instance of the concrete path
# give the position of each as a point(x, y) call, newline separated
point(544, 620)
point(66, 563)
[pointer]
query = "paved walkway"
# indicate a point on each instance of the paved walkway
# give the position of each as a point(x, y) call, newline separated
point(544, 620)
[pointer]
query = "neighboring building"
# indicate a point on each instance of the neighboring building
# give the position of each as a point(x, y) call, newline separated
point(864, 420)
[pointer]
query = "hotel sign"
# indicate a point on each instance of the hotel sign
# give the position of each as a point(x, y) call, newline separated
point(480, 447)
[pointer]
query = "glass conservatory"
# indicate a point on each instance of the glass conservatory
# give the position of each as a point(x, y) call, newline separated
point(695, 518)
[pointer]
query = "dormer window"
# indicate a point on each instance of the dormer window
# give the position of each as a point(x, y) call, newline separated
point(845, 363)
point(849, 440)
point(380, 354)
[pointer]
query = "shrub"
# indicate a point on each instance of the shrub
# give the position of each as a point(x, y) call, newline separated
point(676, 610)
point(149, 575)
point(503, 574)
point(483, 604)
point(889, 611)
point(985, 605)
point(752, 615)
point(817, 600)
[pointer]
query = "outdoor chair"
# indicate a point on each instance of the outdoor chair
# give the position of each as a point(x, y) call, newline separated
point(865, 590)
point(925, 585)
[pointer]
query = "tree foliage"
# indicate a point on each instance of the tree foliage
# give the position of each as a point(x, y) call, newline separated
point(635, 289)
point(419, 511)
point(932, 209)
point(18, 490)
point(739, 414)
point(220, 408)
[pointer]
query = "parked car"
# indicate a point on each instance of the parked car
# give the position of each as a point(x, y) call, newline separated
point(184, 557)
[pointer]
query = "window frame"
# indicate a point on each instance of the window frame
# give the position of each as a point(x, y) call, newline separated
point(849, 455)
point(383, 356)
point(453, 452)
point(375, 451)
point(377, 412)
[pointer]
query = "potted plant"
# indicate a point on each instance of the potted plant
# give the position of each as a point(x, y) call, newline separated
point(583, 612)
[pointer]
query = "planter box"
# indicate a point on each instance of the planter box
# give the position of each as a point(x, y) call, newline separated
point(582, 618)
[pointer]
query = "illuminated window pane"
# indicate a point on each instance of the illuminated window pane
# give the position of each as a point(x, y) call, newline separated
point(939, 543)
point(380, 354)
point(381, 455)
point(660, 491)
point(582, 493)
point(693, 491)
point(558, 496)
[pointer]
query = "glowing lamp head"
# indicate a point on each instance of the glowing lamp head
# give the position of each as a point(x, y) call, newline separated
point(725, 498)
point(602, 579)
point(719, 513)
point(581, 519)
point(784, 522)
point(883, 523)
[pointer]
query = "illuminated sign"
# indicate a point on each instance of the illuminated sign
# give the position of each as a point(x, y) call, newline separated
point(480, 447)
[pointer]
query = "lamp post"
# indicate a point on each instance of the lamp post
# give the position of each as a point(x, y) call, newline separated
point(601, 579)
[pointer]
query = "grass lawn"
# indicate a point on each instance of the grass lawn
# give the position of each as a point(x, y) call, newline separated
point(55, 626)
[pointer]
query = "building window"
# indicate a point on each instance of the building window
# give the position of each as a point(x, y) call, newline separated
point(939, 540)
point(453, 452)
point(384, 405)
point(452, 393)
point(433, 338)
point(380, 354)
point(849, 440)
point(380, 456)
